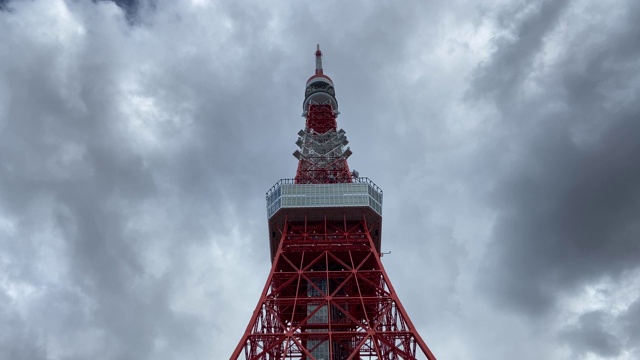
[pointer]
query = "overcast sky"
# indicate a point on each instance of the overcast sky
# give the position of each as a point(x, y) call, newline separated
point(138, 138)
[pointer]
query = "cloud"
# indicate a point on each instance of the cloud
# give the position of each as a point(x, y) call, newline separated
point(567, 198)
point(565, 194)
point(523, 29)
point(137, 140)
point(591, 335)
point(93, 155)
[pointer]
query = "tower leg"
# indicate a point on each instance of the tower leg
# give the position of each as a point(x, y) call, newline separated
point(328, 297)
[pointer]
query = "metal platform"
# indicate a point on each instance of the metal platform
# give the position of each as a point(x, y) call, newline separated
point(362, 192)
point(355, 201)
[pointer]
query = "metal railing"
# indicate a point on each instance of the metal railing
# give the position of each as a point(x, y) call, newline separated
point(361, 192)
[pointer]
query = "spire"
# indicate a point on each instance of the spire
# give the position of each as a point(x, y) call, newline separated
point(318, 60)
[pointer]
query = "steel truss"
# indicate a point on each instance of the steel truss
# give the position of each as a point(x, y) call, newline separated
point(323, 159)
point(328, 297)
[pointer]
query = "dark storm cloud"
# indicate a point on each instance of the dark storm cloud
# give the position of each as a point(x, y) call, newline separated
point(126, 155)
point(630, 324)
point(526, 25)
point(77, 178)
point(565, 157)
point(137, 139)
point(568, 199)
point(604, 334)
point(57, 152)
point(4, 5)
point(590, 334)
point(568, 215)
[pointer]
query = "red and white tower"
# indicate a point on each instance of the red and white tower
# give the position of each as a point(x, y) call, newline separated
point(327, 296)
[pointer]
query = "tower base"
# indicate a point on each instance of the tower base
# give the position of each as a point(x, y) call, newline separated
point(328, 297)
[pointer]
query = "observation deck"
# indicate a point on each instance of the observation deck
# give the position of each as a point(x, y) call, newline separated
point(288, 201)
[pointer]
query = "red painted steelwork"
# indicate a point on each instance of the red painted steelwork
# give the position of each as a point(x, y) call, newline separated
point(327, 296)
point(321, 119)
point(319, 167)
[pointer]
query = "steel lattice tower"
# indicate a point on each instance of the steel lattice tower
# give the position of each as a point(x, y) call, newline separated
point(327, 296)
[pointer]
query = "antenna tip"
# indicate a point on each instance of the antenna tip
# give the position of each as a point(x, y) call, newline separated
point(318, 60)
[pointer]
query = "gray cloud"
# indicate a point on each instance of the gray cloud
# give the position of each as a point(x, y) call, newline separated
point(630, 324)
point(568, 215)
point(590, 335)
point(565, 194)
point(137, 140)
point(525, 26)
point(568, 203)
point(76, 167)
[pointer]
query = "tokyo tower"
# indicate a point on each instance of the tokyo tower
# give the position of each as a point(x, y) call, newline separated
point(327, 296)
